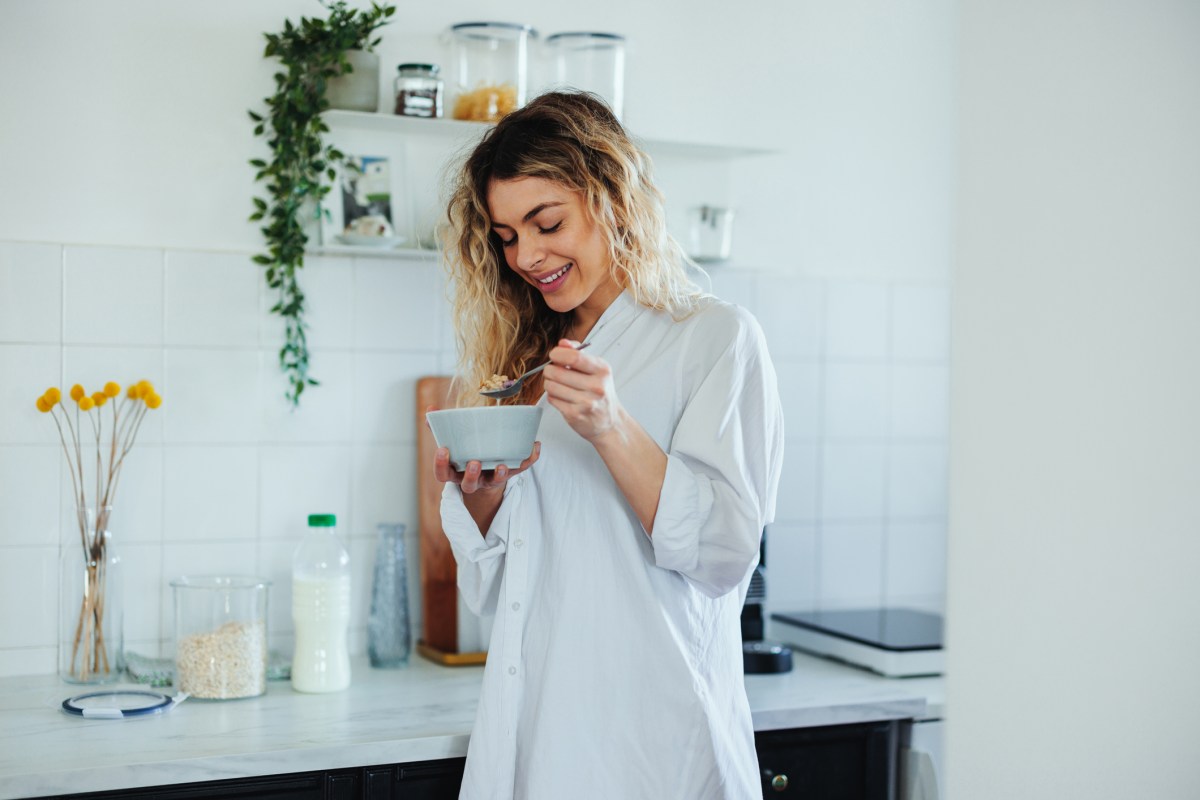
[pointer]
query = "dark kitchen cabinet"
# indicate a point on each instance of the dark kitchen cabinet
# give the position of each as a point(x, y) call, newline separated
point(839, 762)
point(421, 780)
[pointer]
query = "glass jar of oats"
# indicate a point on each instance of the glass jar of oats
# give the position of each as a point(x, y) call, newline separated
point(221, 636)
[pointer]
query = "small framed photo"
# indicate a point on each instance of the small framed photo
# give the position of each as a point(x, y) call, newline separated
point(358, 211)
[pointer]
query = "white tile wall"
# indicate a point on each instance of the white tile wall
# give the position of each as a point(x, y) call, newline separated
point(225, 472)
point(30, 293)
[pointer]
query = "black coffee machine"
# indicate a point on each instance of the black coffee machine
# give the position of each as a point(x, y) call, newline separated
point(760, 656)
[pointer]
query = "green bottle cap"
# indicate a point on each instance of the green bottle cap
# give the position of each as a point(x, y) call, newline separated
point(322, 520)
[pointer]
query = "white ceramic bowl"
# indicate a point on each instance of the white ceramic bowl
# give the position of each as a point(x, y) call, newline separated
point(491, 435)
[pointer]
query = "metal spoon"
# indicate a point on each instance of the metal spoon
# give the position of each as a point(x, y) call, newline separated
point(512, 387)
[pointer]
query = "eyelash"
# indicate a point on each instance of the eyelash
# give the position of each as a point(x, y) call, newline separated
point(553, 229)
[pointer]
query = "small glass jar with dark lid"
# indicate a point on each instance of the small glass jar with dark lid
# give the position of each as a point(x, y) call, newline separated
point(418, 90)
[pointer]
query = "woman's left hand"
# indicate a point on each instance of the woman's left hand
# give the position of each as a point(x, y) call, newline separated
point(581, 387)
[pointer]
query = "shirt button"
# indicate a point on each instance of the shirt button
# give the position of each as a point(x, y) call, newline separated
point(519, 542)
point(516, 606)
point(512, 670)
point(520, 480)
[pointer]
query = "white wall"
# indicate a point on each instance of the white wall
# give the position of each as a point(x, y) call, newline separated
point(124, 252)
point(1074, 640)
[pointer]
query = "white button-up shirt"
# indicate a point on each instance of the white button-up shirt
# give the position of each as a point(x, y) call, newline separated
point(614, 670)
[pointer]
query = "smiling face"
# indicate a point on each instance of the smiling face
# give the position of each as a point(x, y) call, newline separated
point(554, 245)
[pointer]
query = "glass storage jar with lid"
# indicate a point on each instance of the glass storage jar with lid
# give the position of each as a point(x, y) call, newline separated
point(221, 636)
point(591, 61)
point(490, 68)
point(418, 90)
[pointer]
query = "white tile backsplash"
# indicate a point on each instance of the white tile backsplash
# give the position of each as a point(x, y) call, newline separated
point(856, 400)
point(852, 564)
point(856, 324)
point(323, 414)
point(920, 322)
point(916, 560)
point(210, 493)
point(793, 567)
point(30, 293)
point(224, 475)
point(799, 482)
point(917, 480)
point(385, 402)
point(792, 315)
point(211, 299)
point(29, 596)
point(142, 577)
point(26, 371)
point(29, 476)
point(920, 400)
point(384, 488)
point(397, 304)
point(328, 284)
point(298, 480)
point(212, 396)
point(113, 296)
point(800, 383)
point(853, 480)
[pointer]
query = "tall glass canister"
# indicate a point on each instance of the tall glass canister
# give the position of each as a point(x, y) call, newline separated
point(489, 69)
point(388, 636)
point(588, 60)
point(221, 635)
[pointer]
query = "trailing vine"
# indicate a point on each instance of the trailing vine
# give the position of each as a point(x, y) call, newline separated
point(311, 53)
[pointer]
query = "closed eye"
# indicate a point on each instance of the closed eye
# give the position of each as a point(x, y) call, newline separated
point(551, 229)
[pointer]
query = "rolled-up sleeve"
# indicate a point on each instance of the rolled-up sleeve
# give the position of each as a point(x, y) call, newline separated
point(480, 559)
point(723, 467)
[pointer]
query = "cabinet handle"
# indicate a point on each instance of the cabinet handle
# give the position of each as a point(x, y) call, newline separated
point(778, 782)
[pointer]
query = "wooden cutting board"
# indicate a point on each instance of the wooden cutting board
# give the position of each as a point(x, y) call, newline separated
point(439, 572)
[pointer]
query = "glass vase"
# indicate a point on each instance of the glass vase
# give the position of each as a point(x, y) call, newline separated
point(91, 642)
point(388, 640)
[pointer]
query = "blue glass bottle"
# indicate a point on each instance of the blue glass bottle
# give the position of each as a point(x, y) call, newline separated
point(388, 641)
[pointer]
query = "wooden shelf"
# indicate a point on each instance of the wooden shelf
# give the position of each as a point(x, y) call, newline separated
point(402, 253)
point(454, 129)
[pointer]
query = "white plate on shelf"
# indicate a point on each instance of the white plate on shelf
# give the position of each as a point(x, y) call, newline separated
point(359, 240)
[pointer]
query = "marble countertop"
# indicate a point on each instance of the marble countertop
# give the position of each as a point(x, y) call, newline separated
point(422, 711)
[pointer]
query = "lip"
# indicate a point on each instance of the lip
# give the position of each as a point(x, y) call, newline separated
point(557, 282)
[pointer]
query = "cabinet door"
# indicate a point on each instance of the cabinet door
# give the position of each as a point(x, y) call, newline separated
point(303, 786)
point(843, 762)
point(430, 780)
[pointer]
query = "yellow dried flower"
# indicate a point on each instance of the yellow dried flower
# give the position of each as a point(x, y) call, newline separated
point(42, 405)
point(86, 403)
point(99, 398)
point(132, 393)
point(153, 400)
point(77, 392)
point(112, 389)
point(52, 395)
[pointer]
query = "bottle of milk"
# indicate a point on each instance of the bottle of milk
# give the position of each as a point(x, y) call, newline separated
point(321, 609)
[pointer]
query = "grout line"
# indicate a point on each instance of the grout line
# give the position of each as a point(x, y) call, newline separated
point(822, 374)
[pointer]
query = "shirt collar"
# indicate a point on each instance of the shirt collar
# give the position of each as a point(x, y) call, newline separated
point(614, 319)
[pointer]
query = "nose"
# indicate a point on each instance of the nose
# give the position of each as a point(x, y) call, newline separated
point(529, 254)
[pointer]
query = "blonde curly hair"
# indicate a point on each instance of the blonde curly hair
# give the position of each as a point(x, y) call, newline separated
point(502, 324)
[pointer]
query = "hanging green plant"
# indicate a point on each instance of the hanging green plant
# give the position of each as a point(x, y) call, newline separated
point(311, 53)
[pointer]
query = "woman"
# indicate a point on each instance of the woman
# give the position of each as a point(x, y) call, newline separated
point(616, 558)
